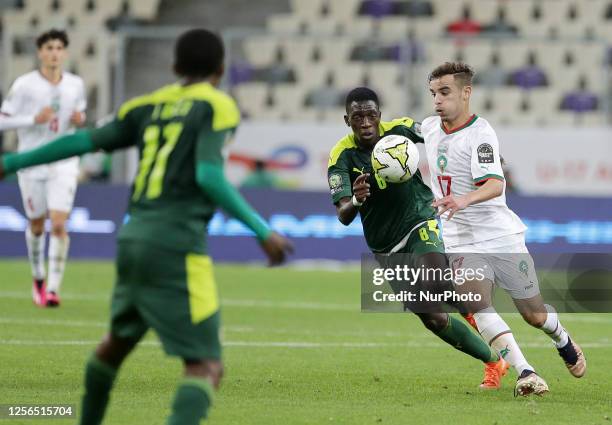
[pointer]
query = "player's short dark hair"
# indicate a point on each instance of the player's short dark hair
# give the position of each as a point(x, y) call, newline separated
point(198, 53)
point(461, 71)
point(52, 34)
point(361, 94)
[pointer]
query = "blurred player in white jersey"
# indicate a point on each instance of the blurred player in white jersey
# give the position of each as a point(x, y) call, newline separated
point(468, 183)
point(42, 105)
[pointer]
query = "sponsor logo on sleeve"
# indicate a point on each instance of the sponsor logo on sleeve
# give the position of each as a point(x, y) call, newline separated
point(335, 183)
point(485, 153)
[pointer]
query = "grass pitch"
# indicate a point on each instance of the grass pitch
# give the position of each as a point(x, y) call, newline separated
point(297, 351)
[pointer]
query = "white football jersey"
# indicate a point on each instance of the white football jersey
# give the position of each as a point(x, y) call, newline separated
point(27, 96)
point(460, 160)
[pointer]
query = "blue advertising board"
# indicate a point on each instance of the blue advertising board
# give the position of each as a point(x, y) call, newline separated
point(556, 224)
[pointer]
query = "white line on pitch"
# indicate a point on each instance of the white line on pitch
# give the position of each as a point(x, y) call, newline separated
point(240, 329)
point(290, 305)
point(227, 302)
point(285, 344)
point(53, 322)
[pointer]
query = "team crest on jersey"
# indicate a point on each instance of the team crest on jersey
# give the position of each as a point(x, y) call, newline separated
point(523, 267)
point(485, 153)
point(442, 162)
point(335, 183)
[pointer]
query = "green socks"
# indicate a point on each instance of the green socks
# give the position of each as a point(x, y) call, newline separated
point(463, 339)
point(99, 378)
point(191, 402)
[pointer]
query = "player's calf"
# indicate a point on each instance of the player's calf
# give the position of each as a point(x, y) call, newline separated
point(545, 317)
point(100, 373)
point(194, 395)
point(496, 332)
point(35, 242)
point(59, 245)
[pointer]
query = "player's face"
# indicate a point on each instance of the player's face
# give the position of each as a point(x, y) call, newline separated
point(52, 54)
point(363, 118)
point(449, 97)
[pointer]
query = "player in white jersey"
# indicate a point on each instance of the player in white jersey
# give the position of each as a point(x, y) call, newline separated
point(468, 183)
point(42, 105)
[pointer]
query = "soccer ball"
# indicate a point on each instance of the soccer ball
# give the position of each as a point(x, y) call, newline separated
point(395, 158)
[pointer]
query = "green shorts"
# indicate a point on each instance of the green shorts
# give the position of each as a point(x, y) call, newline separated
point(424, 239)
point(172, 292)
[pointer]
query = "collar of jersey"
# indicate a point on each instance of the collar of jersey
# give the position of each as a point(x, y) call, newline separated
point(468, 123)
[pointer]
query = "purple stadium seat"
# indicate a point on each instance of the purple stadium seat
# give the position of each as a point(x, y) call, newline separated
point(377, 8)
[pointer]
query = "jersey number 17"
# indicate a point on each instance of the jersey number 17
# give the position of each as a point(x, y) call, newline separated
point(445, 183)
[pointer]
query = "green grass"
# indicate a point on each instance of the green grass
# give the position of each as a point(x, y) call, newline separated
point(298, 351)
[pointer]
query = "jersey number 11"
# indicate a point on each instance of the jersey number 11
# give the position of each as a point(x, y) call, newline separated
point(154, 159)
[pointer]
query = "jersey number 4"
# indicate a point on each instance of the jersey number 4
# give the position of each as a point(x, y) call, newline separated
point(154, 160)
point(445, 181)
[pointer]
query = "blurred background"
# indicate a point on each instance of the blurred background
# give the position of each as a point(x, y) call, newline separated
point(543, 80)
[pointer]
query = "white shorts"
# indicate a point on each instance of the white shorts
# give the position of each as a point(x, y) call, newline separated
point(505, 261)
point(40, 196)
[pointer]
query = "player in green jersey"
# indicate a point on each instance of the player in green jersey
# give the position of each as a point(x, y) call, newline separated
point(164, 277)
point(396, 218)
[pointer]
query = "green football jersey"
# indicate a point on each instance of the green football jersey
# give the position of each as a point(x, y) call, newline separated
point(174, 128)
point(393, 209)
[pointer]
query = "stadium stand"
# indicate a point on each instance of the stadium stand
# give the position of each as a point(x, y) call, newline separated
point(85, 19)
point(564, 38)
point(391, 45)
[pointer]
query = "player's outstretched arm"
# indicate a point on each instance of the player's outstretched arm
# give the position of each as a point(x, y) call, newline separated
point(13, 122)
point(64, 147)
point(114, 135)
point(211, 179)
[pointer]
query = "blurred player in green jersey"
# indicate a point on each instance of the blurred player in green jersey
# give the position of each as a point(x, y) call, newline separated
point(164, 277)
point(397, 218)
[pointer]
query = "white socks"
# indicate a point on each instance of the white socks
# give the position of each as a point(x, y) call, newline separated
point(498, 335)
point(36, 253)
point(552, 327)
point(58, 252)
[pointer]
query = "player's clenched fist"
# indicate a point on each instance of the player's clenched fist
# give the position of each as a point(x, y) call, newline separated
point(276, 248)
point(45, 115)
point(361, 188)
point(77, 118)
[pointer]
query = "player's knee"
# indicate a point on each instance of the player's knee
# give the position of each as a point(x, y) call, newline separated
point(535, 319)
point(58, 229)
point(434, 322)
point(37, 227)
point(205, 369)
point(113, 350)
